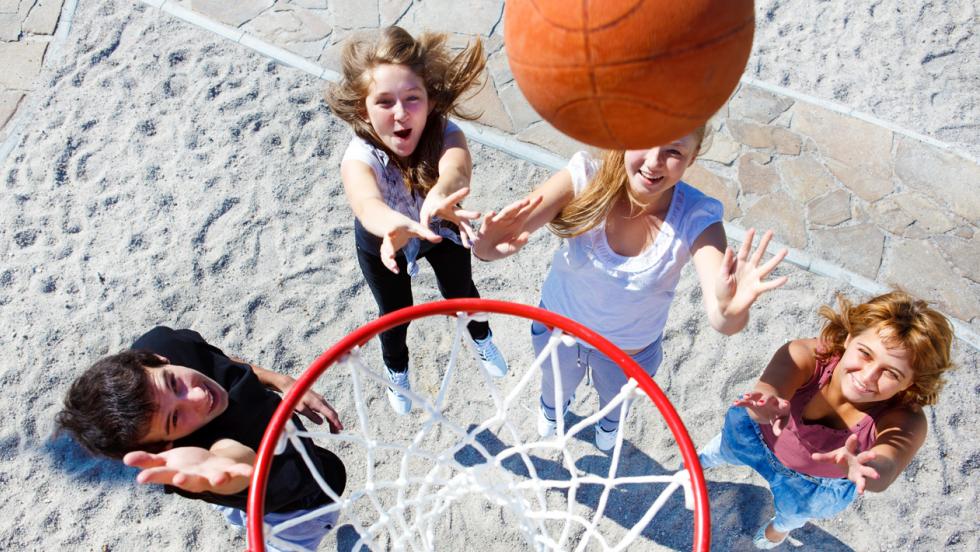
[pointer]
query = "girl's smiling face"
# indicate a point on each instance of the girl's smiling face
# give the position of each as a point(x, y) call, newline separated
point(870, 371)
point(655, 170)
point(397, 107)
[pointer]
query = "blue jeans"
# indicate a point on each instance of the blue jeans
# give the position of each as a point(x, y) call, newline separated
point(607, 376)
point(305, 536)
point(797, 497)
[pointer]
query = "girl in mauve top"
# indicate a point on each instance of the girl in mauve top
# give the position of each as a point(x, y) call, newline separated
point(835, 416)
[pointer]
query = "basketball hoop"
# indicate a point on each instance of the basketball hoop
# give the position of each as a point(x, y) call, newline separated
point(418, 468)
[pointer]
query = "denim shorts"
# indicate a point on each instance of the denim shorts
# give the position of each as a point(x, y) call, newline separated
point(797, 497)
point(304, 536)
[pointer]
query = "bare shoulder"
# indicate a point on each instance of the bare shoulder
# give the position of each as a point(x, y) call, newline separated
point(804, 353)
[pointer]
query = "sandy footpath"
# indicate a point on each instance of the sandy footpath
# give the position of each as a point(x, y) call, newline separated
point(169, 177)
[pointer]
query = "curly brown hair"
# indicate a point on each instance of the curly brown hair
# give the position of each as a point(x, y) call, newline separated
point(902, 321)
point(446, 78)
point(610, 184)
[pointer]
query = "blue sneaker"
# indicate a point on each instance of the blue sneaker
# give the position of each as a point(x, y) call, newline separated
point(400, 403)
point(491, 358)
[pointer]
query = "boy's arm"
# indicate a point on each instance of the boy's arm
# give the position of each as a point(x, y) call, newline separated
point(901, 432)
point(312, 405)
point(225, 468)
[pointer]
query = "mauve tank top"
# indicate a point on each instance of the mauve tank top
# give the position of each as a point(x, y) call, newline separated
point(799, 439)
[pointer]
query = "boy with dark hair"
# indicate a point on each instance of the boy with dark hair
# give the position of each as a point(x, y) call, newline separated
point(191, 418)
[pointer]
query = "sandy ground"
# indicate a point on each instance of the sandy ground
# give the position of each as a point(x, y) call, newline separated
point(911, 64)
point(170, 177)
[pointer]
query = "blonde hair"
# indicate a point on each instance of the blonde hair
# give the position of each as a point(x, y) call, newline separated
point(446, 78)
point(610, 184)
point(901, 321)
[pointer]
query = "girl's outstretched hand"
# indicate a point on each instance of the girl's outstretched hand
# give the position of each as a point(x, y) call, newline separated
point(447, 208)
point(850, 461)
point(741, 279)
point(395, 238)
point(766, 408)
point(192, 469)
point(502, 234)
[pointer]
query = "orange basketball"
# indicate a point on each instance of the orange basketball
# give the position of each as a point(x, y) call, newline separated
point(627, 74)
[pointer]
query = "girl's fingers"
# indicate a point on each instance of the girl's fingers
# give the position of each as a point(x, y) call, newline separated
point(743, 251)
point(773, 284)
point(464, 214)
point(456, 196)
point(728, 263)
point(768, 267)
point(763, 245)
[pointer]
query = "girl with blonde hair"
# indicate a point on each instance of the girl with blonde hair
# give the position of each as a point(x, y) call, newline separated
point(835, 416)
point(630, 225)
point(405, 172)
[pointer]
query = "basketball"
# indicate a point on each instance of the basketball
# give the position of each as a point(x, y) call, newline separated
point(627, 74)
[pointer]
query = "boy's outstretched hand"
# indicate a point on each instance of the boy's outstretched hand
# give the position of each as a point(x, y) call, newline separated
point(317, 409)
point(192, 469)
point(851, 462)
point(741, 279)
point(765, 408)
point(502, 234)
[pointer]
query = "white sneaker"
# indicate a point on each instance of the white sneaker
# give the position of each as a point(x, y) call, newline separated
point(400, 403)
point(605, 440)
point(761, 541)
point(546, 426)
point(491, 358)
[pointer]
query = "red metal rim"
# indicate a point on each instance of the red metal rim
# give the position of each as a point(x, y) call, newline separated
point(360, 336)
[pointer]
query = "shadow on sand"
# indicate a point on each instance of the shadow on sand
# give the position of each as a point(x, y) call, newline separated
point(673, 526)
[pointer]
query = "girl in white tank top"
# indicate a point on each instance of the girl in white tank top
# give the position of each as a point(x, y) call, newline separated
point(630, 225)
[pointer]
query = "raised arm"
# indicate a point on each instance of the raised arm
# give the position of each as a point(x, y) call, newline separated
point(225, 468)
point(505, 233)
point(312, 405)
point(901, 432)
point(731, 282)
point(788, 370)
point(369, 207)
point(455, 170)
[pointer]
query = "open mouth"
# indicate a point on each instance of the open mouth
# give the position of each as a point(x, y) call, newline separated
point(404, 133)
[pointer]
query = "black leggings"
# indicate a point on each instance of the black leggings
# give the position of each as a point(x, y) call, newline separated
point(451, 263)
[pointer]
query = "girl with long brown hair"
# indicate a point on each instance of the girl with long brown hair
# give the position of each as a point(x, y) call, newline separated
point(405, 172)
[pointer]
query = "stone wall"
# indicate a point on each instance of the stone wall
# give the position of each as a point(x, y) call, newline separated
point(882, 203)
point(26, 30)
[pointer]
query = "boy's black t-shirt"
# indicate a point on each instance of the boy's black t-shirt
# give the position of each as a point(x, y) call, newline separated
point(250, 407)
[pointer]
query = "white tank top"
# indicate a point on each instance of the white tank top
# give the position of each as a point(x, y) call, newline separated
point(626, 299)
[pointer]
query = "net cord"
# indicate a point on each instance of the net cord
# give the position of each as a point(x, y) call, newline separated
point(348, 349)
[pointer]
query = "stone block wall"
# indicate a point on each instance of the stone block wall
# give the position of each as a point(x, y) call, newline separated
point(880, 202)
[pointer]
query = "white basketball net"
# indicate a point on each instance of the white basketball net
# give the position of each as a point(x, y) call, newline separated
point(418, 466)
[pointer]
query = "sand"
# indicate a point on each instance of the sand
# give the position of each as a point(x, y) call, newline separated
point(169, 177)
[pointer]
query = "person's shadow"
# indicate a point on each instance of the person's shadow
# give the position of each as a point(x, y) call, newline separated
point(75, 462)
point(673, 526)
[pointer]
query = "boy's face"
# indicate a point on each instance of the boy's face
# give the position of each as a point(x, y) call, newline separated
point(186, 400)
